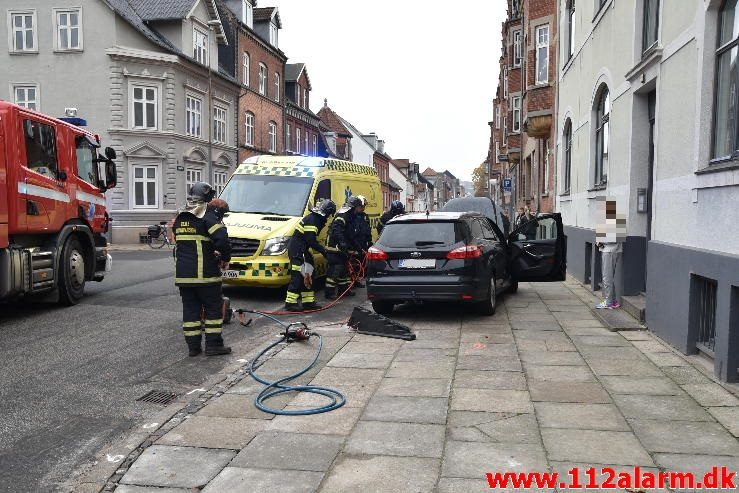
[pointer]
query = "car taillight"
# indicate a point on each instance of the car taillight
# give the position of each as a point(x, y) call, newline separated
point(375, 253)
point(465, 252)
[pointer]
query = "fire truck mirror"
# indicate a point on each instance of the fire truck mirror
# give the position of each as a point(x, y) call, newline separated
point(111, 174)
point(110, 153)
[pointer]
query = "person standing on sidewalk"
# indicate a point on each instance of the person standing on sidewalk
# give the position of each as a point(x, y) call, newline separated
point(303, 239)
point(610, 234)
point(202, 249)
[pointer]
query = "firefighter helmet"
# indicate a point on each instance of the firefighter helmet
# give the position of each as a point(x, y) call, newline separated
point(326, 208)
point(397, 207)
point(202, 192)
point(354, 201)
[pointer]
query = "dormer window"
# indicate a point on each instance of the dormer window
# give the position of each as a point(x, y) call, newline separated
point(247, 13)
point(273, 34)
point(200, 46)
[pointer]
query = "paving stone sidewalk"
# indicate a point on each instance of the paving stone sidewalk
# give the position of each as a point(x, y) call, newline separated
point(540, 386)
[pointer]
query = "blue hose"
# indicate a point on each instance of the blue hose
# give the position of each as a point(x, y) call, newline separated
point(278, 387)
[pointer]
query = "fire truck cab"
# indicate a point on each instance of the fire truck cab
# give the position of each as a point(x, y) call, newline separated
point(52, 208)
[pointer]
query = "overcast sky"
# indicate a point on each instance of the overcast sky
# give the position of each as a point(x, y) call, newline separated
point(420, 73)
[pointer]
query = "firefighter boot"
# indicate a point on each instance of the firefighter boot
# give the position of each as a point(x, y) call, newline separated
point(292, 307)
point(214, 345)
point(194, 345)
point(312, 305)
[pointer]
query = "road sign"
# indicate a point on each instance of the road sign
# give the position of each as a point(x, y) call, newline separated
point(507, 184)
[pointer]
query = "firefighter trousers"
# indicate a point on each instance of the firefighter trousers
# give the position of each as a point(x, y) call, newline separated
point(297, 290)
point(337, 277)
point(202, 311)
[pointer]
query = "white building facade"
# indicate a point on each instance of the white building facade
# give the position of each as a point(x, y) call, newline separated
point(647, 113)
point(146, 77)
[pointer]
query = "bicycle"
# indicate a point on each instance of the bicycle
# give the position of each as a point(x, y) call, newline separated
point(158, 236)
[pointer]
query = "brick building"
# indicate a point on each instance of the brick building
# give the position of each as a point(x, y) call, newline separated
point(338, 137)
point(261, 71)
point(302, 126)
point(523, 129)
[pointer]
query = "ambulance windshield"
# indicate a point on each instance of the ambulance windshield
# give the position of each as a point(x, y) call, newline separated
point(259, 194)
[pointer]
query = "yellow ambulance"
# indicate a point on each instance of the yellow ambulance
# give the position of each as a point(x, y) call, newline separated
point(269, 195)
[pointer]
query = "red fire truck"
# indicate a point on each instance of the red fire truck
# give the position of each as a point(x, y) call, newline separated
point(52, 207)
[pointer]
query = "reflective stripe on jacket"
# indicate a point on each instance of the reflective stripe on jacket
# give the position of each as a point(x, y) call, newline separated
point(197, 242)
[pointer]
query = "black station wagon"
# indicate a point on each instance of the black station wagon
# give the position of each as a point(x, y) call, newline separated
point(461, 256)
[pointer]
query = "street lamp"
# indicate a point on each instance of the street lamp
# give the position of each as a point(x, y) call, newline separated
point(211, 24)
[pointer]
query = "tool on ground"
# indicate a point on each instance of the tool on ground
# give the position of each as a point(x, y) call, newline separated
point(295, 332)
point(369, 323)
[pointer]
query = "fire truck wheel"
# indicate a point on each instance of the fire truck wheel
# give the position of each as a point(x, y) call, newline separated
point(71, 272)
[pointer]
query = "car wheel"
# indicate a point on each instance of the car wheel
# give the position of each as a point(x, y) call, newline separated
point(513, 287)
point(71, 272)
point(383, 307)
point(488, 306)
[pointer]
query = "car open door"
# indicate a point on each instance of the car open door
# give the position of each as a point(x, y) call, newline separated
point(537, 250)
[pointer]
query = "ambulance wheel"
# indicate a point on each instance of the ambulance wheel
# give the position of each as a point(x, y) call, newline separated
point(227, 312)
point(71, 276)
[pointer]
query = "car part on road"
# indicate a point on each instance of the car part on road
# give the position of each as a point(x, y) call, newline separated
point(295, 332)
point(368, 323)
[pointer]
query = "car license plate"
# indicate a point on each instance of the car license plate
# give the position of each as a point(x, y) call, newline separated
point(230, 274)
point(417, 263)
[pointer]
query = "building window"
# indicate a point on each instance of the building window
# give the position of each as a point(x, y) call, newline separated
point(249, 130)
point(570, 28)
point(305, 98)
point(272, 137)
point(517, 48)
point(23, 32)
point(602, 130)
point(219, 181)
point(145, 187)
point(545, 168)
point(247, 13)
point(193, 176)
point(315, 145)
point(505, 131)
point(273, 34)
point(297, 140)
point(542, 54)
point(516, 114)
point(277, 87)
point(68, 28)
point(497, 116)
point(220, 118)
point(262, 79)
point(726, 108)
point(245, 75)
point(200, 46)
point(651, 25)
point(497, 152)
point(194, 113)
point(505, 82)
point(567, 138)
point(145, 105)
point(26, 95)
point(288, 131)
point(305, 147)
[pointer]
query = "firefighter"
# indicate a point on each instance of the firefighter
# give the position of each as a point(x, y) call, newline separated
point(340, 243)
point(363, 229)
point(305, 238)
point(202, 250)
point(396, 209)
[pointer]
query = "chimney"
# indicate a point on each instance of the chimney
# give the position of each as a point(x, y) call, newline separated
point(372, 139)
point(381, 146)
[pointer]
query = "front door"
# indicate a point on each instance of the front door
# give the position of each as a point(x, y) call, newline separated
point(652, 104)
point(538, 250)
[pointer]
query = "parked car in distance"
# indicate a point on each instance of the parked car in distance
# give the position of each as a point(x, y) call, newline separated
point(461, 256)
point(483, 205)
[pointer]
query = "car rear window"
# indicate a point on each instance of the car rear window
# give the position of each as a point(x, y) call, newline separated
point(422, 234)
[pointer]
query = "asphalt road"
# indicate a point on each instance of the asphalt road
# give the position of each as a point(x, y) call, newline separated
point(70, 377)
